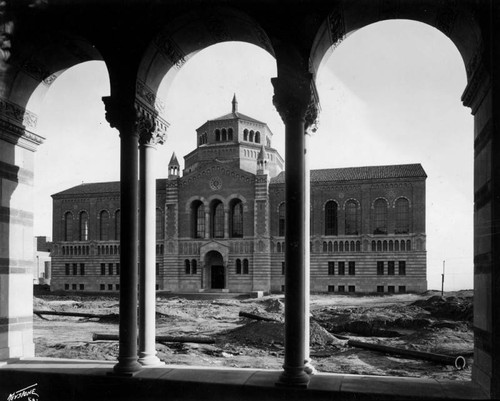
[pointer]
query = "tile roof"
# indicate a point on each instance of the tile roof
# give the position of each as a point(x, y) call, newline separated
point(362, 173)
point(95, 188)
point(237, 115)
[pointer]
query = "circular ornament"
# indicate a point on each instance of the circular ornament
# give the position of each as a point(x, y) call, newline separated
point(215, 183)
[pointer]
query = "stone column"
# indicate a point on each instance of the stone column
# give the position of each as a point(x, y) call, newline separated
point(226, 223)
point(292, 99)
point(208, 230)
point(18, 142)
point(121, 114)
point(149, 136)
point(309, 368)
point(482, 95)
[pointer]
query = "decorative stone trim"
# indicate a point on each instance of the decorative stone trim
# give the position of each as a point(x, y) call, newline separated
point(336, 26)
point(479, 82)
point(170, 50)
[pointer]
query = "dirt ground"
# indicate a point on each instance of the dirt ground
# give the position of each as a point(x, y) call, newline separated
point(423, 322)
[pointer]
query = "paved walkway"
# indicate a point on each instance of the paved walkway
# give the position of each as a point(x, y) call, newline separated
point(65, 379)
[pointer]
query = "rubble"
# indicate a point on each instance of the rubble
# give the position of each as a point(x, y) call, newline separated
point(417, 322)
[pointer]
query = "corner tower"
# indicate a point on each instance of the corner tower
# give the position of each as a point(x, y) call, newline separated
point(237, 140)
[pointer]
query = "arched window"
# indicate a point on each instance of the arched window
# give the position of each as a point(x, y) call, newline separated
point(257, 137)
point(217, 220)
point(250, 138)
point(245, 266)
point(217, 135)
point(84, 226)
point(104, 225)
point(187, 266)
point(68, 226)
point(331, 218)
point(341, 246)
point(374, 246)
point(198, 219)
point(194, 266)
point(329, 246)
point(403, 245)
point(380, 218)
point(237, 219)
point(118, 224)
point(396, 246)
point(278, 247)
point(408, 245)
point(238, 266)
point(281, 220)
point(351, 218)
point(358, 246)
point(224, 134)
point(160, 232)
point(402, 216)
point(230, 134)
point(324, 246)
point(245, 135)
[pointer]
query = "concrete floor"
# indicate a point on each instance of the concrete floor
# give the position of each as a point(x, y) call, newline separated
point(65, 379)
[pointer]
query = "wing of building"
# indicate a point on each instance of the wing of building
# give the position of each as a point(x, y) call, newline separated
point(220, 225)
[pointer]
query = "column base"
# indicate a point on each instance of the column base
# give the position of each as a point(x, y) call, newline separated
point(293, 378)
point(126, 367)
point(150, 361)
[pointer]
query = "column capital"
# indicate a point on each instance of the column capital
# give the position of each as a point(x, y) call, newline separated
point(120, 114)
point(139, 120)
point(297, 97)
point(151, 130)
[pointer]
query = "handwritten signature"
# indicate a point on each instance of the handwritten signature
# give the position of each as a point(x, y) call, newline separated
point(27, 392)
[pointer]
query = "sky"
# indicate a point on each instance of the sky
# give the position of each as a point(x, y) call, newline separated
point(390, 94)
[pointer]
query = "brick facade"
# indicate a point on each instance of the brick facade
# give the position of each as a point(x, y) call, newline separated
point(218, 225)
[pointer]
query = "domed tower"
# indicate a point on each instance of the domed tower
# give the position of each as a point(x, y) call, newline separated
point(237, 140)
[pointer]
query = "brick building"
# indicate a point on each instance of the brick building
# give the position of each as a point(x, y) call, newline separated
point(220, 225)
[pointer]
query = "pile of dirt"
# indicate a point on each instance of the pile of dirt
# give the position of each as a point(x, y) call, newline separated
point(266, 333)
point(258, 333)
point(320, 336)
point(456, 308)
point(41, 304)
point(273, 305)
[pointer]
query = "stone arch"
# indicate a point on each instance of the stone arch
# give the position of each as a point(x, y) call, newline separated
point(454, 20)
point(189, 33)
point(39, 59)
point(401, 197)
point(190, 201)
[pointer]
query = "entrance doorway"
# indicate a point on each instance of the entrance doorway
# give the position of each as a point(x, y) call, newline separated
point(217, 276)
point(215, 272)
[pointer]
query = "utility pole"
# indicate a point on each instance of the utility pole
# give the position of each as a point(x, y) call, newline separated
point(442, 281)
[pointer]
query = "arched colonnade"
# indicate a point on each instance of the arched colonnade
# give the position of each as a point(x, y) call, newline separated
point(143, 42)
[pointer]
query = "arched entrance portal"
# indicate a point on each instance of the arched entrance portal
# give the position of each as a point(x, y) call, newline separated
point(214, 269)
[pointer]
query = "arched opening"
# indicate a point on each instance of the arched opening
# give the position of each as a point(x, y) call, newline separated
point(216, 270)
point(389, 109)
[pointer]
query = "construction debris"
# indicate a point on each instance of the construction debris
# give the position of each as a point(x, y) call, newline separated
point(159, 339)
point(457, 361)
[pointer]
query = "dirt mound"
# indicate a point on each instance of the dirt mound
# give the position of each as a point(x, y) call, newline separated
point(266, 333)
point(41, 304)
point(273, 305)
point(456, 308)
point(320, 336)
point(258, 332)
